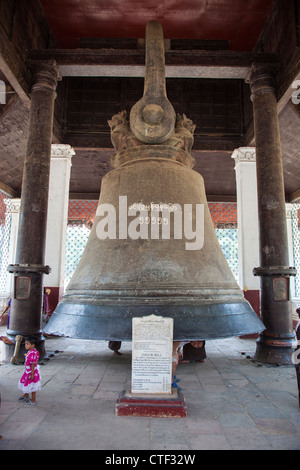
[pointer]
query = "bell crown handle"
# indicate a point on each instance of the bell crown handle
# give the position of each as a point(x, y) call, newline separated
point(152, 118)
point(155, 77)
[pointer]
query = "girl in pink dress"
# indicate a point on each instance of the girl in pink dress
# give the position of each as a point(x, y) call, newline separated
point(30, 381)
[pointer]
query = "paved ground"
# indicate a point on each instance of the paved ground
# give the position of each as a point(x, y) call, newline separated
point(232, 403)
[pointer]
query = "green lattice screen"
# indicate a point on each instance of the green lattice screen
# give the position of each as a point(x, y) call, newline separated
point(5, 224)
point(296, 244)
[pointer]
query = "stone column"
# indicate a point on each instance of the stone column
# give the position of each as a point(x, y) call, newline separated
point(60, 170)
point(274, 345)
point(247, 214)
point(30, 256)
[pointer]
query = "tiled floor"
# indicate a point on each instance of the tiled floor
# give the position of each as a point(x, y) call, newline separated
point(232, 403)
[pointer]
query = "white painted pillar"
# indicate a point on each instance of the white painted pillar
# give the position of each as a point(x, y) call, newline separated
point(12, 218)
point(292, 228)
point(60, 171)
point(248, 229)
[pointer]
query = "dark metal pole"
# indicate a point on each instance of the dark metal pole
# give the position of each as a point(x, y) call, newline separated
point(28, 271)
point(274, 345)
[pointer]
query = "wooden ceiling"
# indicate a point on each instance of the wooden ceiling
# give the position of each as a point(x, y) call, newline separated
point(93, 32)
point(237, 21)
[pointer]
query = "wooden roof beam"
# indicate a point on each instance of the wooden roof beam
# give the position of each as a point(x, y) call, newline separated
point(131, 63)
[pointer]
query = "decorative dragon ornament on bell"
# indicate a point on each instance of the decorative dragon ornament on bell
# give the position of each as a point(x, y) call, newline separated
point(153, 248)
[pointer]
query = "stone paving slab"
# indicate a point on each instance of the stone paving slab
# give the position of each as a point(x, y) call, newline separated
point(232, 403)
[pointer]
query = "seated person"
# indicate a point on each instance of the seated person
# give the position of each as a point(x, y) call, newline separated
point(193, 351)
point(115, 346)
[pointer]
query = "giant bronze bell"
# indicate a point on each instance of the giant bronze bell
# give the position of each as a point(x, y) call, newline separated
point(153, 247)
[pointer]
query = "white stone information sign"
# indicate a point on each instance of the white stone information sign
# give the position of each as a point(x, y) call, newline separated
point(152, 345)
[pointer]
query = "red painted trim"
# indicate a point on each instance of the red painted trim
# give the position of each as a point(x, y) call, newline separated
point(253, 297)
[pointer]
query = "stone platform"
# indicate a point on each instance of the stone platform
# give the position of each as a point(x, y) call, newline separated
point(232, 403)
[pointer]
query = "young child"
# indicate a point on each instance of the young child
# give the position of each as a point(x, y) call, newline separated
point(30, 381)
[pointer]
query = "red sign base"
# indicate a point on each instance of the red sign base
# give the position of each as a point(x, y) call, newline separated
point(152, 405)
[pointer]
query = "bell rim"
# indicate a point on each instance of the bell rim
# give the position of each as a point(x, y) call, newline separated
point(191, 322)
